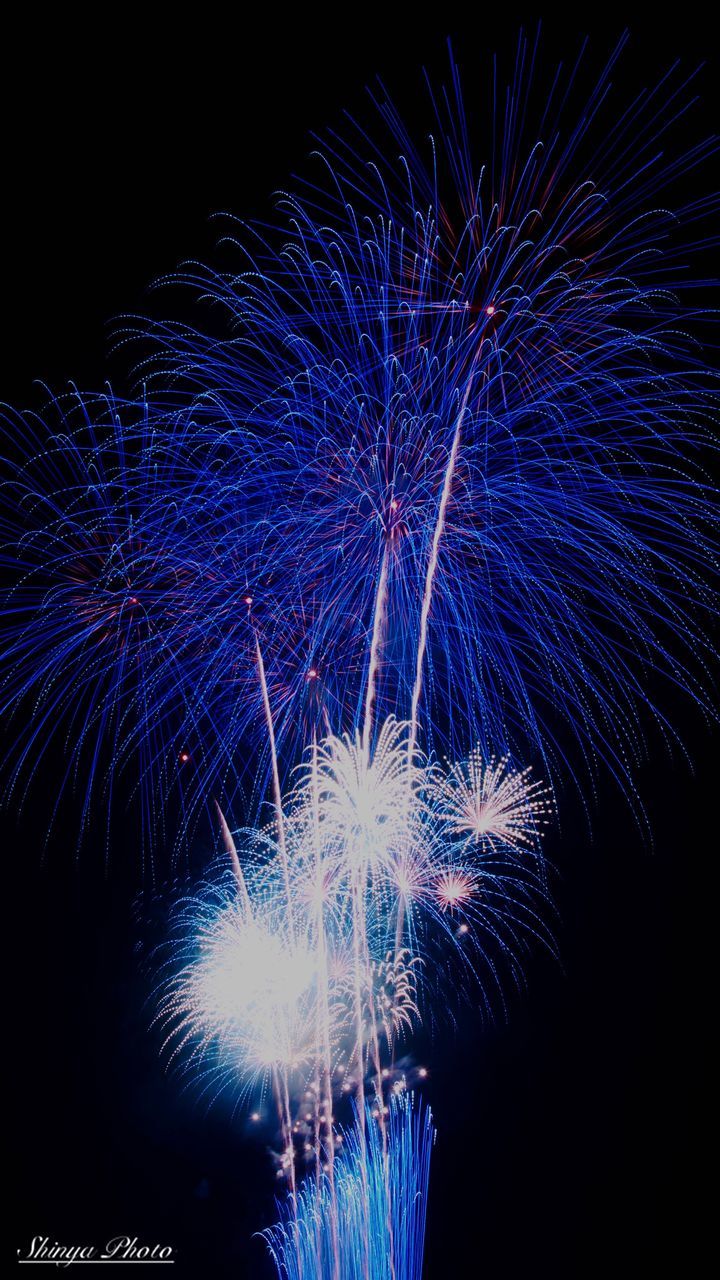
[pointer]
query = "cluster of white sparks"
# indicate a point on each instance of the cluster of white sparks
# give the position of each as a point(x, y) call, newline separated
point(303, 968)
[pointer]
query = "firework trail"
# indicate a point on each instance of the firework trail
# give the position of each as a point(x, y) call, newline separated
point(432, 567)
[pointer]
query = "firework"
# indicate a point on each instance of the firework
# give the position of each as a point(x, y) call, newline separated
point(488, 801)
point(453, 465)
point(481, 428)
point(379, 1191)
point(383, 892)
point(436, 491)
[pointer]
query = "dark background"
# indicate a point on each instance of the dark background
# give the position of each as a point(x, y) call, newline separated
point(572, 1139)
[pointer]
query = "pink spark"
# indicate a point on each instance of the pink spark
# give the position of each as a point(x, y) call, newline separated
point(453, 887)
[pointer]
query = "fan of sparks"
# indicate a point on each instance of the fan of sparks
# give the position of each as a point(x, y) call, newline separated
point(298, 971)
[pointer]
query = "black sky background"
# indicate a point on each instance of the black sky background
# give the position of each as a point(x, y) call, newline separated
point(572, 1137)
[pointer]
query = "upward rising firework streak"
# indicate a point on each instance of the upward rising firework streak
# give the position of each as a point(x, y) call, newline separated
point(438, 491)
point(396, 1200)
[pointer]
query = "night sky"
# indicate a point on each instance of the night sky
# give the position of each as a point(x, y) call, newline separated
point(572, 1134)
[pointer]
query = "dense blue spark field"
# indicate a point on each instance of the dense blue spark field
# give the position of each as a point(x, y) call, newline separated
point(396, 1203)
point(287, 452)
